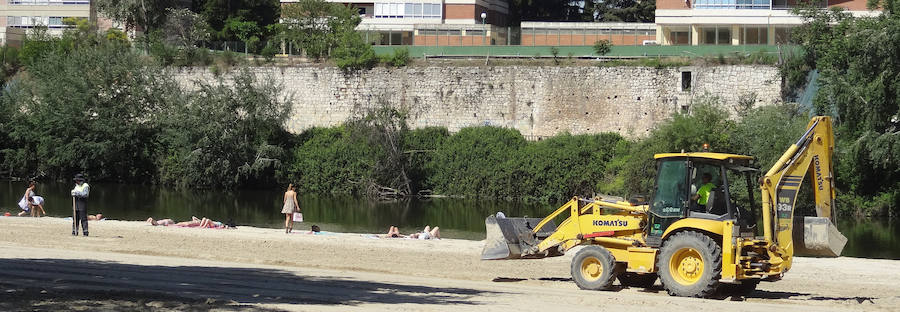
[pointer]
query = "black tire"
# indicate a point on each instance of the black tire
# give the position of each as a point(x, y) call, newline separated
point(697, 269)
point(631, 279)
point(594, 268)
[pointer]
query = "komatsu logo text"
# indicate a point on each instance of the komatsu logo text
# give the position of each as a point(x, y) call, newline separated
point(819, 179)
point(610, 223)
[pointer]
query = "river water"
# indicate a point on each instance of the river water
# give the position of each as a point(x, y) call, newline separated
point(458, 218)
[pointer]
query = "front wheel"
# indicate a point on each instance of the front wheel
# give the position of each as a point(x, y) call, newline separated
point(690, 265)
point(593, 268)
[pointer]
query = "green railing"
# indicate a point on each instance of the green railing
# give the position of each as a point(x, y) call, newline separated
point(583, 51)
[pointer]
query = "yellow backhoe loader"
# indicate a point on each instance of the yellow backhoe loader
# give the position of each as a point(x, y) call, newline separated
point(699, 229)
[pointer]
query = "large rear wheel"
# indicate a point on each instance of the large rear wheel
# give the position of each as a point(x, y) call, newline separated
point(593, 268)
point(690, 265)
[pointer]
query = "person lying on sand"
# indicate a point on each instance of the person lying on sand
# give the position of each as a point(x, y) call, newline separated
point(203, 223)
point(427, 233)
point(96, 217)
point(394, 232)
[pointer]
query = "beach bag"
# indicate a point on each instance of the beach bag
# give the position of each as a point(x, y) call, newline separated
point(298, 217)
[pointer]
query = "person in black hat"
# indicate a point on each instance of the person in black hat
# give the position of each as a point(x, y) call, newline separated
point(79, 202)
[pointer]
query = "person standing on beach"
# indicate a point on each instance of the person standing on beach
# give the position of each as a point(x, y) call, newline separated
point(80, 195)
point(289, 208)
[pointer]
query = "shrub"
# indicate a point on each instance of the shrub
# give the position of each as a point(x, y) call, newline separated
point(602, 47)
point(354, 53)
point(398, 58)
point(268, 52)
point(477, 162)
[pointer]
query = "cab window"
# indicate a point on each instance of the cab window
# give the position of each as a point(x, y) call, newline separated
point(671, 191)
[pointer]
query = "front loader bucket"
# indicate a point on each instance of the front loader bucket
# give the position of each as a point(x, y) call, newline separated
point(512, 238)
point(814, 236)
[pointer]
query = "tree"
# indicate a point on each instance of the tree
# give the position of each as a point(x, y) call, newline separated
point(639, 11)
point(146, 14)
point(859, 69)
point(245, 144)
point(220, 13)
point(87, 109)
point(324, 29)
point(184, 28)
point(246, 31)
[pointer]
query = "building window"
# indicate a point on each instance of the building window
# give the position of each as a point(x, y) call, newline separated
point(408, 10)
point(685, 81)
point(754, 35)
point(716, 35)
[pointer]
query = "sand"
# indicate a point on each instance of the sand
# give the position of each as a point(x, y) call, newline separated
point(382, 274)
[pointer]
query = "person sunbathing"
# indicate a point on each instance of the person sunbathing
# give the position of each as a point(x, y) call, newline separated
point(96, 217)
point(427, 233)
point(202, 223)
point(394, 232)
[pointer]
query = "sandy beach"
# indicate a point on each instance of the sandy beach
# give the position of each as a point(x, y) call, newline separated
point(344, 271)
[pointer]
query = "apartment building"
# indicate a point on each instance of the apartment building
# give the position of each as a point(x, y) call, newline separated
point(735, 22)
point(431, 22)
point(17, 16)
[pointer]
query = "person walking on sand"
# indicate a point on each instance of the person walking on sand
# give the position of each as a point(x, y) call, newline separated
point(289, 208)
point(79, 200)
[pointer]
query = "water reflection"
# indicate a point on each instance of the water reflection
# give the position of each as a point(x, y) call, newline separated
point(458, 218)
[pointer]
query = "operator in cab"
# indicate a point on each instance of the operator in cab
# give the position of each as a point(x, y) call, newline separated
point(702, 195)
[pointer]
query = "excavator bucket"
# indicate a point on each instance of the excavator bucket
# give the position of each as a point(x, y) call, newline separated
point(512, 238)
point(814, 236)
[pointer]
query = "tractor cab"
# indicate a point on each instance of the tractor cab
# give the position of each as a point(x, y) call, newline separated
point(711, 186)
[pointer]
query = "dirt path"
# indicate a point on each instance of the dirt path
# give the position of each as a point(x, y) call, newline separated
point(130, 263)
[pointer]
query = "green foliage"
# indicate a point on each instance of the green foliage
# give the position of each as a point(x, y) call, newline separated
point(184, 29)
point(192, 56)
point(398, 58)
point(354, 53)
point(794, 69)
point(602, 47)
point(420, 146)
point(89, 109)
point(229, 134)
point(148, 15)
point(557, 168)
point(118, 36)
point(36, 45)
point(859, 80)
point(268, 52)
point(9, 63)
point(476, 161)
point(229, 58)
point(233, 20)
point(327, 29)
point(246, 31)
point(331, 160)
point(630, 11)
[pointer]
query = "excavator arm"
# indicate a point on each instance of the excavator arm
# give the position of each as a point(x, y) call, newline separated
point(812, 155)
